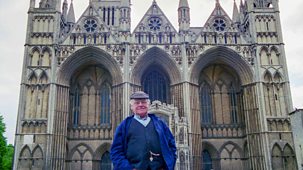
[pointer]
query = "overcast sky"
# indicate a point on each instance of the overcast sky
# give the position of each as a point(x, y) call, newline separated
point(13, 19)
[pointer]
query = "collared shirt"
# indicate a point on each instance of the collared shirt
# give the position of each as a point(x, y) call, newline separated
point(144, 121)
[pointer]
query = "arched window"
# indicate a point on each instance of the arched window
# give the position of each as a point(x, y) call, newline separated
point(233, 105)
point(276, 157)
point(182, 161)
point(206, 104)
point(105, 163)
point(76, 106)
point(207, 161)
point(105, 104)
point(156, 84)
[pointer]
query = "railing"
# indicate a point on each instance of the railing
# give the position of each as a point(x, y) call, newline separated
point(223, 130)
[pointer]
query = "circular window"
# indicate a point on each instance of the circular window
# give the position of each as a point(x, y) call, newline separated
point(219, 25)
point(154, 23)
point(90, 25)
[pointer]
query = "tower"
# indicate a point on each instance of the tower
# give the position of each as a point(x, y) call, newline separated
point(222, 88)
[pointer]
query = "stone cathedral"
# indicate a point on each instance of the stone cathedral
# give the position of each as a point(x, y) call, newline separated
point(222, 88)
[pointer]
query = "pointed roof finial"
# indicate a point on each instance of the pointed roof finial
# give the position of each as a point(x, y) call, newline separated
point(71, 13)
point(183, 3)
point(217, 3)
point(236, 16)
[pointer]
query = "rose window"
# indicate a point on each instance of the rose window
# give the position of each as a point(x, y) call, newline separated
point(90, 25)
point(154, 23)
point(219, 25)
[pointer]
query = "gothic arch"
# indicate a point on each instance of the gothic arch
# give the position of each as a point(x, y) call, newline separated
point(82, 151)
point(47, 49)
point(35, 49)
point(100, 151)
point(236, 147)
point(32, 78)
point(267, 76)
point(278, 77)
point(38, 157)
point(43, 78)
point(231, 156)
point(222, 55)
point(85, 57)
point(214, 155)
point(158, 57)
point(25, 158)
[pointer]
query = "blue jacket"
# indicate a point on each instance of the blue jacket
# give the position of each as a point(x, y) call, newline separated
point(119, 146)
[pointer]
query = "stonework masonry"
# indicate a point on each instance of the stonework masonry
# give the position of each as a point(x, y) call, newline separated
point(222, 88)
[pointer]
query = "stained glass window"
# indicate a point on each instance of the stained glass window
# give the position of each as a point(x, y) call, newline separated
point(105, 162)
point(219, 24)
point(206, 104)
point(105, 104)
point(90, 25)
point(156, 84)
point(154, 23)
point(207, 161)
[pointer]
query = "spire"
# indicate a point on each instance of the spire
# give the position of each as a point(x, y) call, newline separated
point(154, 2)
point(236, 17)
point(125, 3)
point(71, 14)
point(217, 2)
point(183, 4)
point(64, 10)
point(183, 15)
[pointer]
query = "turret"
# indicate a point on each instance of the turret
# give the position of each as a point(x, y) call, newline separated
point(236, 16)
point(125, 15)
point(71, 14)
point(64, 11)
point(183, 15)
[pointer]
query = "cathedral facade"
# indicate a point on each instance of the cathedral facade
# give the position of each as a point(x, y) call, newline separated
point(222, 88)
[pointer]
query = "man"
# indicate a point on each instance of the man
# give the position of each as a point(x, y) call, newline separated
point(143, 141)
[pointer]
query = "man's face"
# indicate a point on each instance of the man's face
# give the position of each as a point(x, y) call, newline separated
point(140, 107)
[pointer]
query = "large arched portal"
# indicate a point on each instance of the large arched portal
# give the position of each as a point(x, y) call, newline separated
point(88, 88)
point(219, 78)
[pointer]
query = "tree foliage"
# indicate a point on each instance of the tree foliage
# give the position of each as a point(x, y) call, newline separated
point(6, 151)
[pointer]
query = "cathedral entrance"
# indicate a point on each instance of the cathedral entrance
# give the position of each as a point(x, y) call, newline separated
point(89, 123)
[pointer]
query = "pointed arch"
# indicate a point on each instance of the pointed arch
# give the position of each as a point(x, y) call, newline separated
point(80, 152)
point(222, 55)
point(264, 56)
point(155, 56)
point(206, 103)
point(209, 156)
point(105, 93)
point(231, 155)
point(155, 82)
point(25, 157)
point(33, 78)
point(289, 158)
point(276, 157)
point(38, 157)
point(46, 57)
point(274, 56)
point(86, 57)
point(43, 79)
point(101, 157)
point(278, 77)
point(35, 57)
point(267, 77)
point(25, 152)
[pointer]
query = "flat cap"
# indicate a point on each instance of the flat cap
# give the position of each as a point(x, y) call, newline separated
point(139, 95)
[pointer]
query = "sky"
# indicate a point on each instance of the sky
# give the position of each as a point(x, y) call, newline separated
point(13, 19)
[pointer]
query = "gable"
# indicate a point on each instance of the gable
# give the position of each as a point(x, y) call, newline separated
point(154, 20)
point(218, 20)
point(90, 23)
